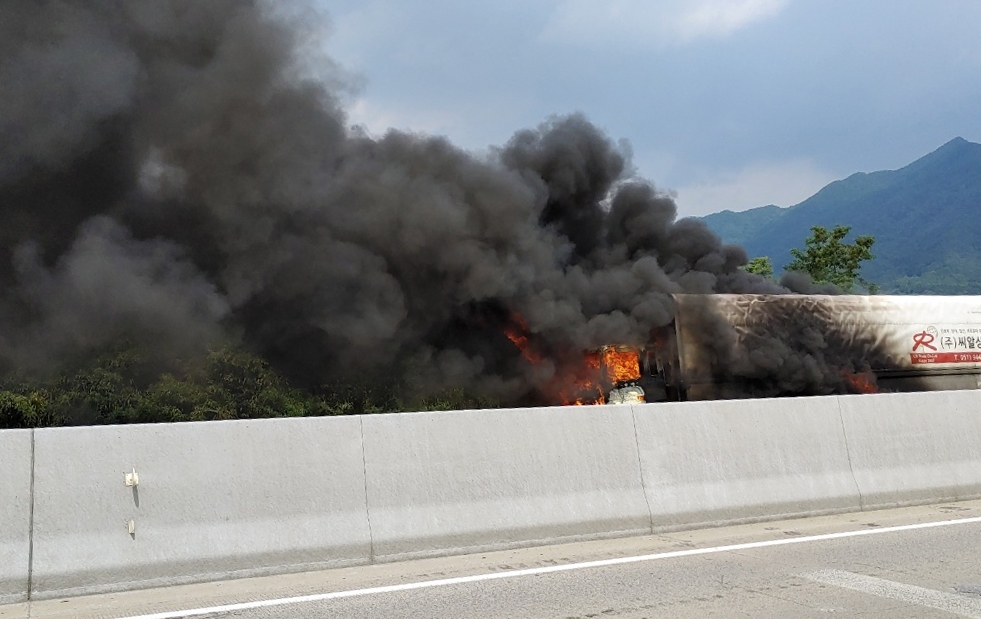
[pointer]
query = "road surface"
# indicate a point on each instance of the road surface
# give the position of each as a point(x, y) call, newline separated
point(901, 563)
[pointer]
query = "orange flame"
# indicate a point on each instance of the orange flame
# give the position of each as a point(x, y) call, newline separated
point(861, 382)
point(576, 380)
point(585, 387)
point(622, 364)
point(517, 332)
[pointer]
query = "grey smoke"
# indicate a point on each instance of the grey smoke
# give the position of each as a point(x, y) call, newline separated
point(168, 175)
point(108, 286)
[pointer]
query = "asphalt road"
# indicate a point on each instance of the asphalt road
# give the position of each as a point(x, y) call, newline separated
point(903, 563)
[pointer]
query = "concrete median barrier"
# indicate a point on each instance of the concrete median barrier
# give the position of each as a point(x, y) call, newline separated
point(441, 483)
point(715, 462)
point(15, 514)
point(214, 500)
point(914, 447)
point(221, 500)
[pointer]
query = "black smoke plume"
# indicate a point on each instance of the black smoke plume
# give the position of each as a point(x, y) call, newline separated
point(171, 175)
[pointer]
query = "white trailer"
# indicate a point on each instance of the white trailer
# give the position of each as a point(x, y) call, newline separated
point(727, 346)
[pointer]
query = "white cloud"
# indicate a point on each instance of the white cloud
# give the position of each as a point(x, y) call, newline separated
point(759, 184)
point(378, 119)
point(647, 23)
point(722, 17)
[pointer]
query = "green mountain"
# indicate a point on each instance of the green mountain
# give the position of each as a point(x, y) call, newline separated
point(740, 228)
point(925, 217)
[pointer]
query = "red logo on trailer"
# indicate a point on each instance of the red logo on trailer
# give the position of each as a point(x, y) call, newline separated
point(923, 339)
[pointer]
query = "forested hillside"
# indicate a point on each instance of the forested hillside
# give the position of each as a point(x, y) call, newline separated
point(924, 217)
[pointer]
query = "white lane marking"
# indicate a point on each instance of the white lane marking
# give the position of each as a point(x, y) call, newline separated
point(535, 571)
point(911, 594)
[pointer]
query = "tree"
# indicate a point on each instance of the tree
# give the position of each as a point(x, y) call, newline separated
point(27, 410)
point(830, 261)
point(760, 266)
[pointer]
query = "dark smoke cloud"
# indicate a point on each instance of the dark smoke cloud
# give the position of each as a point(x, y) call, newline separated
point(108, 286)
point(796, 281)
point(168, 175)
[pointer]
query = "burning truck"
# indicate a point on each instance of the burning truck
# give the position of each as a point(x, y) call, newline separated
point(726, 346)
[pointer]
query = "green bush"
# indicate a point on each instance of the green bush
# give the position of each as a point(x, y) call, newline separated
point(120, 386)
point(27, 410)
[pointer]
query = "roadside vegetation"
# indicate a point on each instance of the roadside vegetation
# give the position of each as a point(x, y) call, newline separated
point(122, 386)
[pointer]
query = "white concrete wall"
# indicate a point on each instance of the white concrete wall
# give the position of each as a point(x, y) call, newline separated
point(440, 483)
point(215, 500)
point(226, 499)
point(707, 462)
point(15, 514)
point(914, 447)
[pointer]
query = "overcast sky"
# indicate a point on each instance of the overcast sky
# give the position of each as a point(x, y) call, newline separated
point(730, 103)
